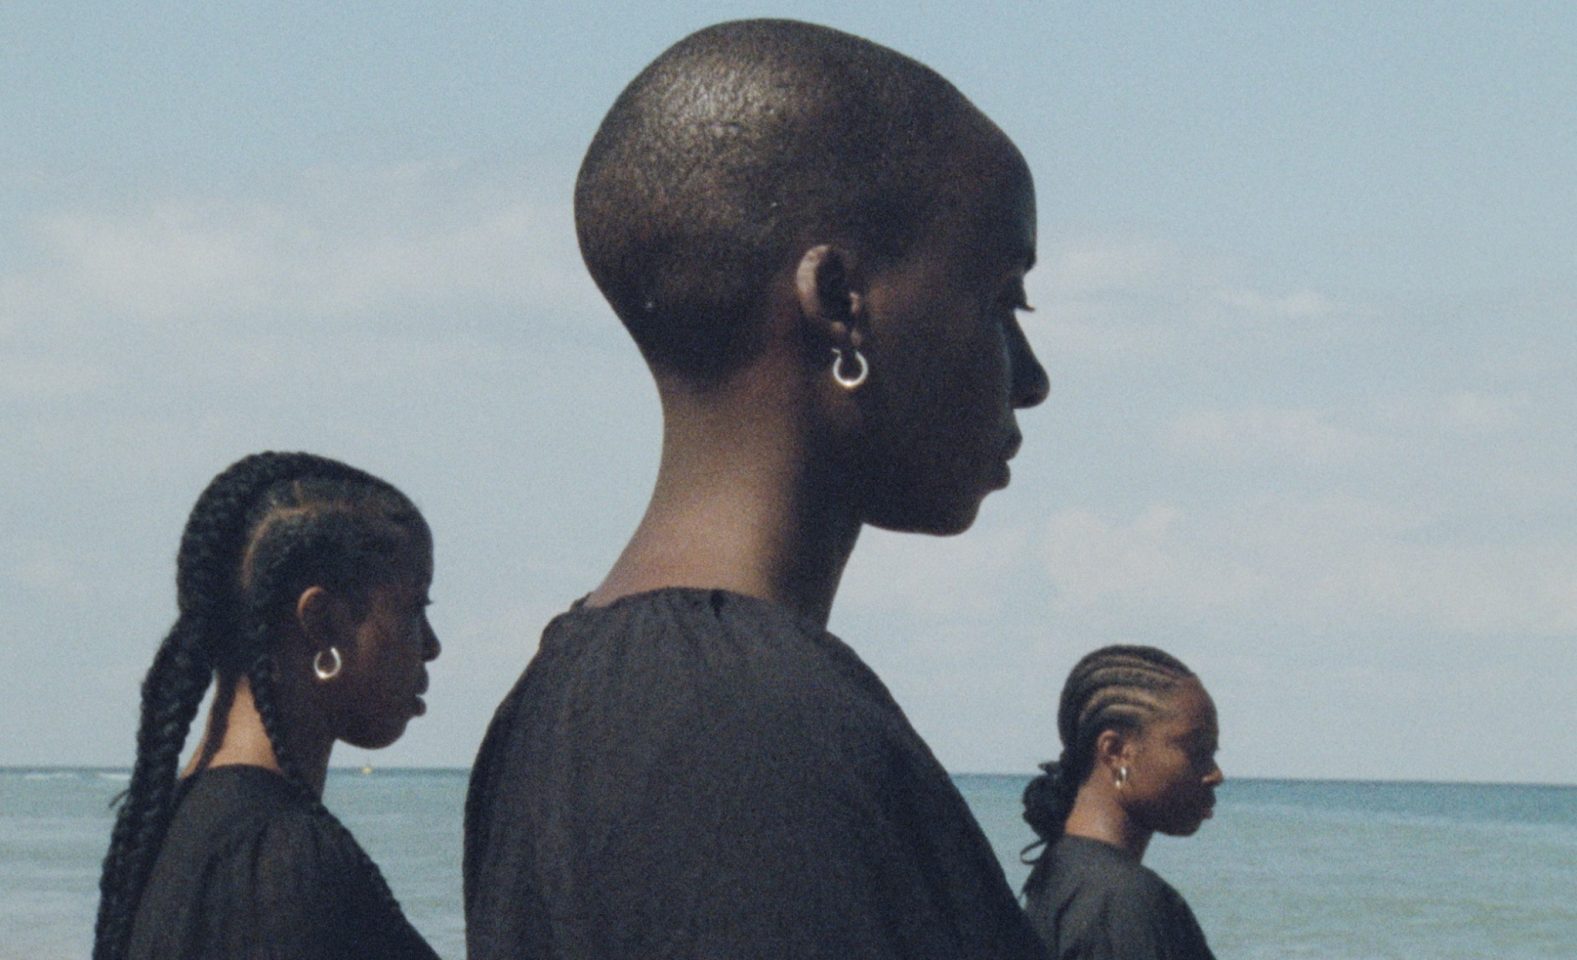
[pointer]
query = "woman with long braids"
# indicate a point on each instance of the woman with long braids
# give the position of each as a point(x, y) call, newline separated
point(302, 586)
point(1139, 739)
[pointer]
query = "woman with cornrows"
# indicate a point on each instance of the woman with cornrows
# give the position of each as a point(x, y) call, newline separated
point(302, 586)
point(1139, 741)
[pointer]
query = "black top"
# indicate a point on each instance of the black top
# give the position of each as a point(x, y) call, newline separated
point(1093, 901)
point(250, 869)
point(694, 773)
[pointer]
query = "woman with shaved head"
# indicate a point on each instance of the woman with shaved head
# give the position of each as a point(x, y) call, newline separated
point(819, 247)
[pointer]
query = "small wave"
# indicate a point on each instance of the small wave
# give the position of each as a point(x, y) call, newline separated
point(114, 775)
point(51, 775)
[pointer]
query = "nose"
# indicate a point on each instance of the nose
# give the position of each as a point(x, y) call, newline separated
point(1215, 776)
point(431, 648)
point(1030, 384)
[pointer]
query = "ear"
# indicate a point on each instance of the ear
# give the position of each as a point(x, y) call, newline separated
point(1113, 749)
point(830, 291)
point(322, 619)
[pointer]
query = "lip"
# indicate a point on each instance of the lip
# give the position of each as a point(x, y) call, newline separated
point(418, 705)
point(1003, 475)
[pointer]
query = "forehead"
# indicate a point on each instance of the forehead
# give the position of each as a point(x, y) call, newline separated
point(987, 204)
point(414, 563)
point(1189, 710)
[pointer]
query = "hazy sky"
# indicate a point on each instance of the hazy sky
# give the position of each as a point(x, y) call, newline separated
point(1307, 295)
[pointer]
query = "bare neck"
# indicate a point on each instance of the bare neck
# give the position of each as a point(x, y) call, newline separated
point(246, 741)
point(1098, 815)
point(738, 504)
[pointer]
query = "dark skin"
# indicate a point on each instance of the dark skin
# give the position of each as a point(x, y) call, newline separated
point(384, 642)
point(768, 476)
point(1160, 778)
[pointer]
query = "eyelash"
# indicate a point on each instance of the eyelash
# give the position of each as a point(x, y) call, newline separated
point(1018, 301)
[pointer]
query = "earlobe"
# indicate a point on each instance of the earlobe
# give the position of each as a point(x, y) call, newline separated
point(326, 627)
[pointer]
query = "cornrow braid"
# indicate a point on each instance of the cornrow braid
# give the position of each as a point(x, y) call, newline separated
point(171, 693)
point(1114, 688)
point(222, 629)
point(262, 677)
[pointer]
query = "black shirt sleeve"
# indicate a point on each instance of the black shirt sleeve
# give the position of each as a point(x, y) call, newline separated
point(1144, 924)
point(1096, 903)
point(250, 870)
point(750, 793)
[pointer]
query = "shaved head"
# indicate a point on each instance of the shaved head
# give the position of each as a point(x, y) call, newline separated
point(741, 145)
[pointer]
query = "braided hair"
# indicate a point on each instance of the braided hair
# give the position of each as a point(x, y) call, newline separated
point(1113, 688)
point(265, 529)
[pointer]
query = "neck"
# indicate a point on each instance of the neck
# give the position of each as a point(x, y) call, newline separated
point(1097, 815)
point(246, 741)
point(738, 504)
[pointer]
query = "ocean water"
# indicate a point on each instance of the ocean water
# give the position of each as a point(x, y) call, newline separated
point(1287, 869)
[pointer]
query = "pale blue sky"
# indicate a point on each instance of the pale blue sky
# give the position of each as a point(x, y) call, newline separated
point(1308, 283)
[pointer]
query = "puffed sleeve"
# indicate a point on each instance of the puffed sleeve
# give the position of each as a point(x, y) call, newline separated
point(287, 887)
point(1144, 921)
point(722, 787)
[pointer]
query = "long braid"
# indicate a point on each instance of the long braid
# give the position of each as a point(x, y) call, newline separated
point(262, 677)
point(1113, 688)
point(171, 693)
point(203, 640)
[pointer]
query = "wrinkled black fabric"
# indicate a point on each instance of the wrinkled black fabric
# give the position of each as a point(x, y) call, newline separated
point(248, 870)
point(1098, 903)
point(693, 773)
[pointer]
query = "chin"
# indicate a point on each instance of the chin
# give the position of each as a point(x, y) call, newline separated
point(375, 739)
point(1185, 829)
point(937, 520)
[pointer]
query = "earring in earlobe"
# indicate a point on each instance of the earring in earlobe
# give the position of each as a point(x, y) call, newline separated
point(1122, 777)
point(330, 671)
point(862, 369)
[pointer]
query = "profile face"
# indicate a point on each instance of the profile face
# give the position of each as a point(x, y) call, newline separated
point(385, 671)
point(949, 361)
point(1173, 775)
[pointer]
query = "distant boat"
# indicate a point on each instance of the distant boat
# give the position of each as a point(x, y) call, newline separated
point(366, 770)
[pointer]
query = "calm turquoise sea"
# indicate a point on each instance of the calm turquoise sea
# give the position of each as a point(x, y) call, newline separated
point(1287, 869)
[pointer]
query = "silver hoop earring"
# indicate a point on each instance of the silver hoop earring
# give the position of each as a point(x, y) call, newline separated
point(335, 663)
point(844, 381)
point(1122, 777)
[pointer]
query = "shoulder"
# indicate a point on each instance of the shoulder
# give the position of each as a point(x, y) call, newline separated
point(678, 657)
point(251, 861)
point(271, 833)
point(1098, 902)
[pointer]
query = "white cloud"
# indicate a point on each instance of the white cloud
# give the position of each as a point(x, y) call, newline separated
point(965, 576)
point(1301, 435)
point(1318, 563)
point(26, 376)
point(36, 566)
point(1147, 562)
point(1134, 299)
point(334, 246)
point(1484, 412)
point(1299, 305)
